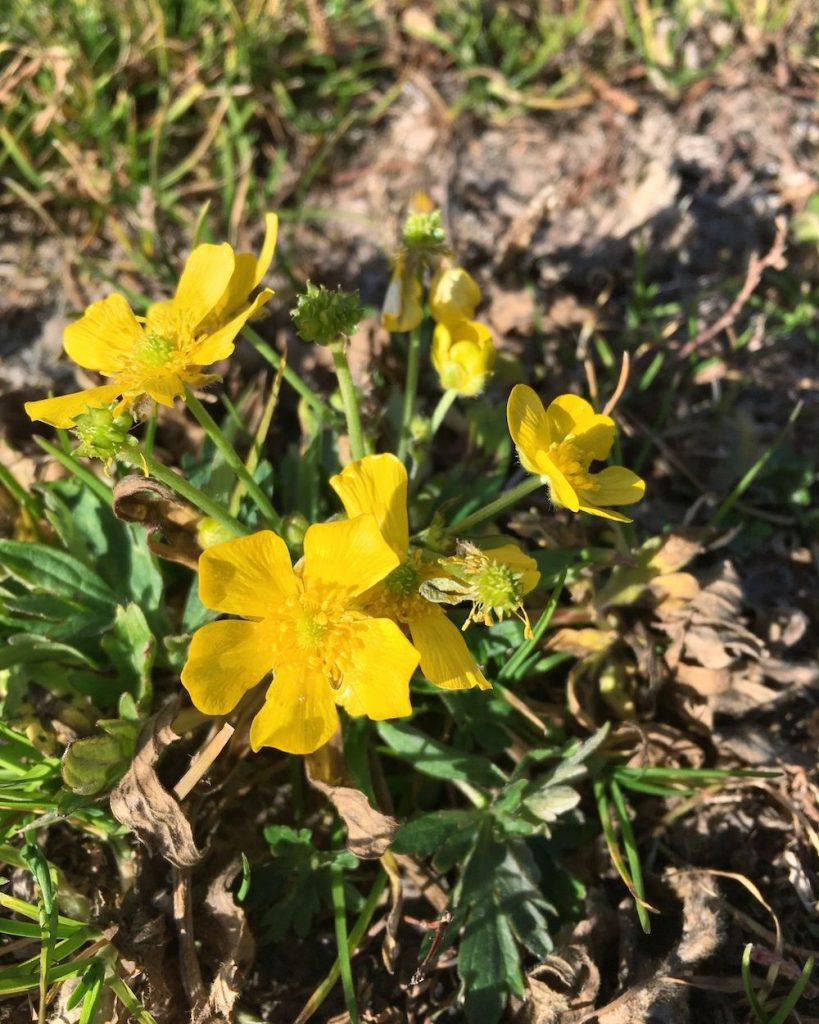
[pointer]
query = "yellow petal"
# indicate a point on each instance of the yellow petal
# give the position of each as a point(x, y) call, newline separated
point(402, 310)
point(518, 561)
point(299, 714)
point(614, 485)
point(219, 345)
point(595, 440)
point(377, 485)
point(604, 513)
point(204, 281)
point(346, 558)
point(377, 673)
point(225, 660)
point(104, 336)
point(249, 576)
point(445, 658)
point(528, 426)
point(271, 234)
point(570, 414)
point(453, 296)
point(164, 388)
point(60, 412)
point(562, 492)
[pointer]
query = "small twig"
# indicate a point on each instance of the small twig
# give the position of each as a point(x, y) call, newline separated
point(183, 917)
point(757, 265)
point(440, 927)
point(203, 761)
point(617, 394)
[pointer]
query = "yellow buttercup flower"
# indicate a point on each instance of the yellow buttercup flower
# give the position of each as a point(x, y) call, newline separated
point(377, 484)
point(304, 625)
point(453, 296)
point(561, 442)
point(159, 354)
point(464, 356)
point(402, 309)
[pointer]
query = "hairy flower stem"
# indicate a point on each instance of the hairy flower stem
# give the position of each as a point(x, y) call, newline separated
point(510, 497)
point(349, 398)
point(410, 391)
point(149, 465)
point(445, 403)
point(228, 453)
point(320, 408)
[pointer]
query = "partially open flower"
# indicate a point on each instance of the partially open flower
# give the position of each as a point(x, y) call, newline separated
point(453, 296)
point(305, 625)
point(560, 443)
point(159, 354)
point(464, 356)
point(402, 309)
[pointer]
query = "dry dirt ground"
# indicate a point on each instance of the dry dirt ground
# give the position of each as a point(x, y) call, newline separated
point(634, 218)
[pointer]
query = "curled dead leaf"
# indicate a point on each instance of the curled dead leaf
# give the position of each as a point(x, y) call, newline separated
point(171, 523)
point(369, 832)
point(142, 803)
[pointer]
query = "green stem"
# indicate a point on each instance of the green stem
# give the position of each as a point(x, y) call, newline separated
point(343, 942)
point(177, 483)
point(356, 935)
point(321, 409)
point(440, 411)
point(228, 453)
point(150, 434)
point(510, 497)
point(25, 500)
point(755, 470)
point(349, 398)
point(510, 669)
point(79, 471)
point(410, 391)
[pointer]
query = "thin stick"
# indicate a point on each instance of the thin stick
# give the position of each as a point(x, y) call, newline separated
point(625, 367)
point(203, 760)
point(756, 267)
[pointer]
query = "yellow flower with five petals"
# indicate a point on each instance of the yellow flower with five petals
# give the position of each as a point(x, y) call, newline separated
point(464, 356)
point(303, 624)
point(159, 354)
point(560, 443)
point(377, 484)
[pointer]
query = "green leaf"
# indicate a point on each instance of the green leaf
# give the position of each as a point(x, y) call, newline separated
point(131, 648)
point(46, 570)
point(29, 648)
point(436, 759)
point(447, 836)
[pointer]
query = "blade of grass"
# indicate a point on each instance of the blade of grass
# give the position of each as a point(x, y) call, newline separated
point(511, 668)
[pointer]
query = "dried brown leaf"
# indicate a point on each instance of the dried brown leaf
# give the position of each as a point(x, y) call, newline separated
point(171, 523)
point(369, 832)
point(142, 803)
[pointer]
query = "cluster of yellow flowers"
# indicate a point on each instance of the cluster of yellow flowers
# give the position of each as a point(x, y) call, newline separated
point(350, 622)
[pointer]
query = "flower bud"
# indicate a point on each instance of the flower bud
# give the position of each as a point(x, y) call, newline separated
point(453, 296)
point(102, 434)
point(464, 356)
point(210, 531)
point(402, 310)
point(323, 316)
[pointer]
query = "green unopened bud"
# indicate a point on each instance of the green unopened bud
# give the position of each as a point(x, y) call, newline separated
point(293, 530)
point(424, 230)
point(419, 429)
point(210, 531)
point(102, 435)
point(323, 316)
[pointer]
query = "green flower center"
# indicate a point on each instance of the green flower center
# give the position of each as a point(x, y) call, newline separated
point(497, 586)
point(311, 629)
point(154, 350)
point(403, 581)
